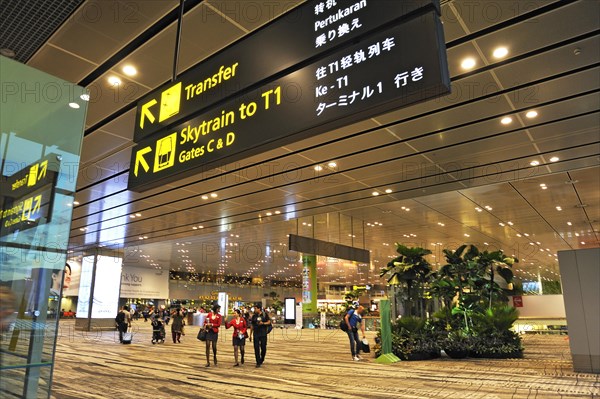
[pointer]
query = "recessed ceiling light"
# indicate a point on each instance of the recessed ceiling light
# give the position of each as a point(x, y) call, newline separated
point(388, 191)
point(113, 80)
point(269, 214)
point(569, 223)
point(531, 114)
point(85, 97)
point(204, 197)
point(510, 223)
point(468, 63)
point(375, 193)
point(478, 209)
point(582, 242)
point(132, 216)
point(466, 235)
point(519, 235)
point(277, 212)
point(554, 159)
point(213, 195)
point(500, 52)
point(559, 208)
point(138, 214)
point(129, 70)
point(501, 224)
point(534, 163)
point(74, 105)
point(332, 164)
point(506, 120)
point(194, 228)
point(318, 168)
point(75, 202)
point(489, 208)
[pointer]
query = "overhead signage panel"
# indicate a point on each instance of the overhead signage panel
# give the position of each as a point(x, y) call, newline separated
point(400, 66)
point(310, 30)
point(26, 196)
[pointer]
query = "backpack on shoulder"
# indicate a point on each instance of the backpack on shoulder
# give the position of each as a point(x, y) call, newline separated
point(120, 318)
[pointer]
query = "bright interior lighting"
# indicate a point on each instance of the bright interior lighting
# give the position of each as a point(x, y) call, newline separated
point(74, 105)
point(269, 214)
point(75, 202)
point(569, 223)
point(531, 114)
point(534, 163)
point(214, 195)
point(500, 52)
point(554, 159)
point(388, 191)
point(375, 193)
point(506, 120)
point(332, 164)
point(113, 80)
point(466, 235)
point(318, 168)
point(129, 70)
point(85, 97)
point(204, 197)
point(468, 63)
point(558, 208)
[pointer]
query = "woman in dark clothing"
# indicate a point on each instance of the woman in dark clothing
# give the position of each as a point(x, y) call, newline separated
point(177, 325)
point(212, 324)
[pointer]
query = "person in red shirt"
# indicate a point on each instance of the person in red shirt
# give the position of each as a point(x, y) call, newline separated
point(239, 335)
point(212, 323)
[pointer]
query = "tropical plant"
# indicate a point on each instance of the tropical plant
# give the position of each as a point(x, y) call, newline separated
point(493, 335)
point(414, 339)
point(409, 270)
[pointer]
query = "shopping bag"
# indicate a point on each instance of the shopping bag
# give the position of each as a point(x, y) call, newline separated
point(365, 346)
point(202, 334)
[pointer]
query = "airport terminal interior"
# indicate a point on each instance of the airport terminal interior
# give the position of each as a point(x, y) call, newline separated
point(297, 176)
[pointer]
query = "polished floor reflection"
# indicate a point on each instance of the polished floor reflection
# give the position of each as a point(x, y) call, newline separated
point(302, 364)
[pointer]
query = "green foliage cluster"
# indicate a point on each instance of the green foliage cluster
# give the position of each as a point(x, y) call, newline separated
point(474, 318)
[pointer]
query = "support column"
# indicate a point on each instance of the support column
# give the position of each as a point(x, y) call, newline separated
point(580, 275)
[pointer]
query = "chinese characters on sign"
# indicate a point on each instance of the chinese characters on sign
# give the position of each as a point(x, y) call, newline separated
point(336, 29)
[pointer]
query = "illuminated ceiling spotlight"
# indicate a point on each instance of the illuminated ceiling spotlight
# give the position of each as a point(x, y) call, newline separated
point(375, 193)
point(318, 168)
point(388, 190)
point(74, 105)
point(554, 159)
point(507, 120)
point(114, 81)
point(531, 114)
point(213, 195)
point(489, 208)
point(500, 52)
point(534, 163)
point(129, 70)
point(468, 63)
point(204, 197)
point(332, 165)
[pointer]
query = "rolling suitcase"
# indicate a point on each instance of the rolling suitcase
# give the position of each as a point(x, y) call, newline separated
point(127, 336)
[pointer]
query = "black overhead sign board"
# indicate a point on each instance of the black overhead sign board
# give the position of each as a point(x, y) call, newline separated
point(310, 30)
point(385, 70)
point(26, 196)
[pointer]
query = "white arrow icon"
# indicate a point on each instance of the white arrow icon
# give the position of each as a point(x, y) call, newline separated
point(139, 159)
point(146, 112)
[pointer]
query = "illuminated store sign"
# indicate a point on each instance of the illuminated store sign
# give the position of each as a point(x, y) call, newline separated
point(26, 196)
point(401, 65)
point(311, 30)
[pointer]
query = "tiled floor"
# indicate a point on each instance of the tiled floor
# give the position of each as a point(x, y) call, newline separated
point(302, 364)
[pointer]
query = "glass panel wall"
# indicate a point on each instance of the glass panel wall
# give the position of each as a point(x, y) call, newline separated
point(41, 129)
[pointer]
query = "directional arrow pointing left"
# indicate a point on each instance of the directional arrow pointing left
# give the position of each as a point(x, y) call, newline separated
point(146, 112)
point(139, 159)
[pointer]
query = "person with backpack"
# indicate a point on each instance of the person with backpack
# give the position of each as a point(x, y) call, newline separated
point(123, 321)
point(353, 321)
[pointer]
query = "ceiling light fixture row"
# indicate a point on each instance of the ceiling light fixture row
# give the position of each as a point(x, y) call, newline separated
point(330, 165)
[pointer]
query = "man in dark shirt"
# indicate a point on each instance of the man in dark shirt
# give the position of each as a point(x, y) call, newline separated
point(260, 323)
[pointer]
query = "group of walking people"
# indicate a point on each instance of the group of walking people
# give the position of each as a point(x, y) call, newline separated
point(245, 327)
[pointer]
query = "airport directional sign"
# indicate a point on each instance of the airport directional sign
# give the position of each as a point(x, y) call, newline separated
point(311, 30)
point(385, 70)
